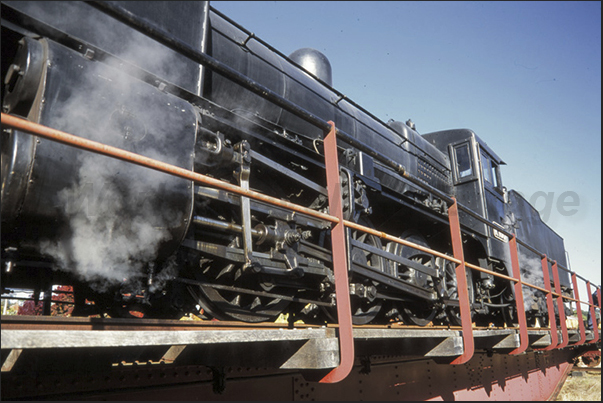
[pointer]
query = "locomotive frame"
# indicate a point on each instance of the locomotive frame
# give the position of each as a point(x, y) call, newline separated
point(410, 282)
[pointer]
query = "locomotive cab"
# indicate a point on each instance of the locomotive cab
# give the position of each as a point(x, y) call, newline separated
point(477, 180)
point(478, 185)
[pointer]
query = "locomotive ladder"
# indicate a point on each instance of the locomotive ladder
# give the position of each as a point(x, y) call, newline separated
point(340, 268)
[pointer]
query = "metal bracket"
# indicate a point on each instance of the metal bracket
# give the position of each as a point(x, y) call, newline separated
point(11, 360)
point(219, 380)
point(560, 307)
point(461, 278)
point(340, 264)
point(593, 314)
point(521, 313)
point(315, 354)
point(549, 304)
point(579, 310)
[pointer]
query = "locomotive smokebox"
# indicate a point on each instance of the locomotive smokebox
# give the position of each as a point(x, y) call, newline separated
point(315, 62)
point(101, 218)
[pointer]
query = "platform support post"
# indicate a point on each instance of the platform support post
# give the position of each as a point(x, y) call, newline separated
point(461, 280)
point(578, 312)
point(340, 265)
point(593, 314)
point(519, 302)
point(549, 303)
point(560, 307)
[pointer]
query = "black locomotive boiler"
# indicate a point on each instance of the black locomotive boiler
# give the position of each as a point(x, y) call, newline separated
point(130, 239)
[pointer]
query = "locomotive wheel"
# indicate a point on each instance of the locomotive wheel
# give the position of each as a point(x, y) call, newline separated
point(234, 304)
point(365, 308)
point(451, 289)
point(417, 312)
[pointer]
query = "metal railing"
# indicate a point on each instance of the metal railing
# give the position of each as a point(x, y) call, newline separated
point(335, 217)
point(339, 255)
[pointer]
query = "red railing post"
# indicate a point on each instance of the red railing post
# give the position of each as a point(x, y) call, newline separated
point(599, 302)
point(461, 280)
point(578, 312)
point(549, 303)
point(593, 314)
point(340, 265)
point(519, 303)
point(560, 307)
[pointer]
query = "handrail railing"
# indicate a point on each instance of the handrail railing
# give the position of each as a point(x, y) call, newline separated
point(114, 152)
point(161, 36)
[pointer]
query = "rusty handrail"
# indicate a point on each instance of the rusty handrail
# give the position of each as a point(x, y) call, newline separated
point(114, 152)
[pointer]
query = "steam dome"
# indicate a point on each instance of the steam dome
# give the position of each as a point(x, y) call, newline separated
point(315, 62)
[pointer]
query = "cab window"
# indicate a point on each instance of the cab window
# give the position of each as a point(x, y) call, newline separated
point(486, 168)
point(495, 174)
point(463, 160)
point(490, 171)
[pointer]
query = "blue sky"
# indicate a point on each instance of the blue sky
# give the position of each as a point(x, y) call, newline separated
point(525, 76)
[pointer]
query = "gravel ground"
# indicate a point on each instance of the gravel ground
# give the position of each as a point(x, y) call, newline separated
point(582, 386)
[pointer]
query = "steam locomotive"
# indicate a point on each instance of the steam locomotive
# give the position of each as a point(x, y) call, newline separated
point(129, 239)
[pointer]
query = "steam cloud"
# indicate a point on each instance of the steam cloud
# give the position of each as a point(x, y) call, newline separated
point(531, 272)
point(119, 214)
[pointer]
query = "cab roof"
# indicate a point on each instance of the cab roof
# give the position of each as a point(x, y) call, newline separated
point(441, 139)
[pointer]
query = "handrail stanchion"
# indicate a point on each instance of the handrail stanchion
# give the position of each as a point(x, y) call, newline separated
point(340, 265)
point(549, 304)
point(593, 314)
point(599, 305)
point(521, 313)
point(578, 312)
point(560, 307)
point(461, 279)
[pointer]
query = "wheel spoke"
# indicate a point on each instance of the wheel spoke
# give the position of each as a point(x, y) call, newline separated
point(417, 312)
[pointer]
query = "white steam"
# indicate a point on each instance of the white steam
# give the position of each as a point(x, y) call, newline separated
point(531, 272)
point(120, 214)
